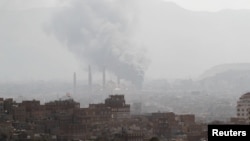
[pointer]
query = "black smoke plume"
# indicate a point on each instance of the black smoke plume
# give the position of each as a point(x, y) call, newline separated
point(100, 32)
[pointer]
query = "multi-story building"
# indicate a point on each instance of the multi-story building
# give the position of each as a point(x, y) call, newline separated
point(61, 106)
point(8, 105)
point(129, 135)
point(243, 107)
point(165, 124)
point(65, 120)
point(19, 114)
point(1, 105)
point(118, 106)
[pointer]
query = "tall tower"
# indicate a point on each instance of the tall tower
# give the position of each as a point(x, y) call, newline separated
point(103, 79)
point(74, 83)
point(118, 82)
point(90, 79)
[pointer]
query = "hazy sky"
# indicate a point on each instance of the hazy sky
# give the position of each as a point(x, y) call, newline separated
point(212, 5)
point(30, 50)
point(203, 5)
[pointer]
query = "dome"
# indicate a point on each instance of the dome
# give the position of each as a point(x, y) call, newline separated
point(66, 97)
point(245, 96)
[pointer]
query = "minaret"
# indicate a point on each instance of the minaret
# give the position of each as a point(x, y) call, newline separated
point(74, 83)
point(90, 79)
point(103, 79)
point(118, 82)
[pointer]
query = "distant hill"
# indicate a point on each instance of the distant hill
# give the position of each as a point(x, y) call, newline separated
point(227, 77)
point(191, 40)
point(225, 68)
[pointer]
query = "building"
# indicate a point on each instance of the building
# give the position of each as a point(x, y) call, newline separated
point(129, 135)
point(243, 107)
point(65, 120)
point(63, 105)
point(118, 106)
point(1, 105)
point(8, 103)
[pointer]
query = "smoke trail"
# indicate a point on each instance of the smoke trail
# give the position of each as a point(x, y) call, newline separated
point(100, 31)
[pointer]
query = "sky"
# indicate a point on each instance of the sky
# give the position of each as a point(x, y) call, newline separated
point(212, 5)
point(196, 5)
point(33, 45)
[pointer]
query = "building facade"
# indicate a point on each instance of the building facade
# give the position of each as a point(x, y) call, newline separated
point(118, 106)
point(243, 107)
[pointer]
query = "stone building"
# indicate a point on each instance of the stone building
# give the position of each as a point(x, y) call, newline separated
point(118, 106)
point(8, 105)
point(243, 107)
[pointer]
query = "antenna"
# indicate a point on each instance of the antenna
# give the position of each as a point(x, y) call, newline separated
point(90, 79)
point(103, 78)
point(74, 83)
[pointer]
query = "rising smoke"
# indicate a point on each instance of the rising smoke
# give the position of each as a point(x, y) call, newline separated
point(100, 32)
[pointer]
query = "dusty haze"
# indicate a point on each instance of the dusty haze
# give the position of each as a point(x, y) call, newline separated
point(149, 39)
point(201, 45)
